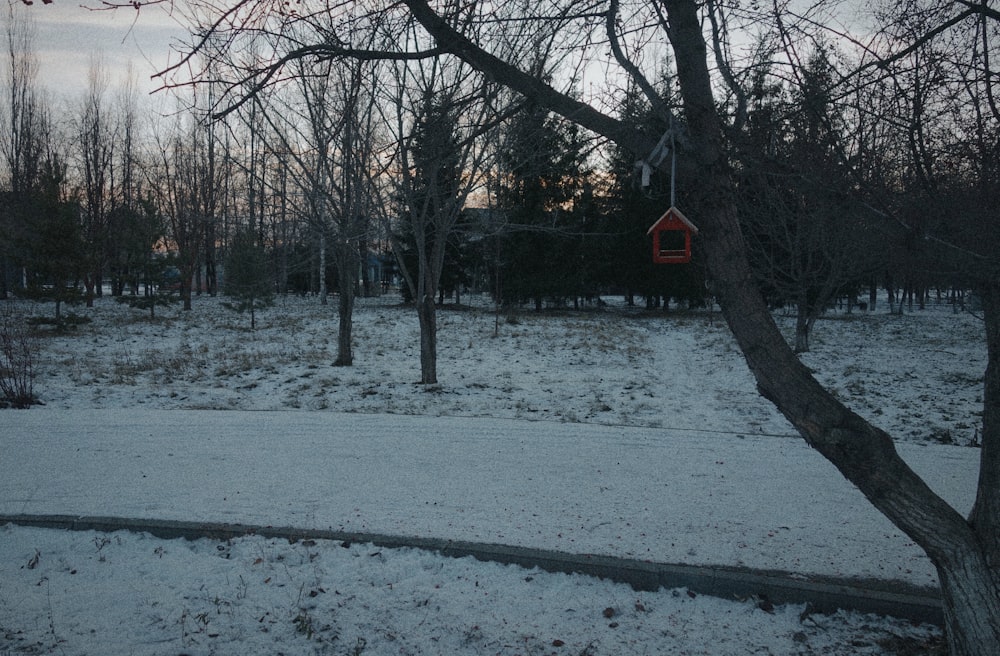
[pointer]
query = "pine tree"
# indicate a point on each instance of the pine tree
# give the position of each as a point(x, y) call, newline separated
point(50, 244)
point(542, 194)
point(247, 280)
point(143, 271)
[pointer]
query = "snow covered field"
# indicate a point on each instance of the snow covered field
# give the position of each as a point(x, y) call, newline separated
point(919, 375)
point(677, 379)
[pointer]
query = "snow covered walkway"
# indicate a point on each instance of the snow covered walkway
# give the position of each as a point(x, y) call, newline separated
point(647, 494)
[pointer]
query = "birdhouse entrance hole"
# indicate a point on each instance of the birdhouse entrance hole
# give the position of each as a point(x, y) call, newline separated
point(673, 244)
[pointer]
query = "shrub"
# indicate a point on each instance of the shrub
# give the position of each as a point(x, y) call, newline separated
point(18, 351)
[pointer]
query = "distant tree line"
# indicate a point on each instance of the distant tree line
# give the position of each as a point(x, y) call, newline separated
point(340, 194)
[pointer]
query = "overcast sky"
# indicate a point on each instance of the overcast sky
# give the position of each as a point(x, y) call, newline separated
point(68, 35)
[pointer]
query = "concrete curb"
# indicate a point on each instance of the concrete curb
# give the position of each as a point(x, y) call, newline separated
point(824, 594)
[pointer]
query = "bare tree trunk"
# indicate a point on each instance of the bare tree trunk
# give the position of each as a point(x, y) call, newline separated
point(88, 286)
point(346, 283)
point(367, 288)
point(427, 316)
point(345, 310)
point(969, 588)
point(185, 292)
point(211, 279)
point(322, 267)
point(985, 515)
point(802, 326)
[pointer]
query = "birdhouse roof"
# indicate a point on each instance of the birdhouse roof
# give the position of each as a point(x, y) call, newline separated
point(673, 216)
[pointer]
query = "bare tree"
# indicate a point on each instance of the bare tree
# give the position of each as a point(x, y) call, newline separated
point(356, 193)
point(96, 149)
point(330, 135)
point(183, 177)
point(811, 240)
point(23, 110)
point(440, 115)
point(24, 134)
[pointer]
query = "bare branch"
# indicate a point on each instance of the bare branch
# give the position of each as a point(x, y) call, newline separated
point(263, 78)
point(611, 17)
point(930, 35)
point(450, 40)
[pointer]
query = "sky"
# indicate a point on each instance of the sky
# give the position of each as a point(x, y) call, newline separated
point(70, 31)
point(69, 34)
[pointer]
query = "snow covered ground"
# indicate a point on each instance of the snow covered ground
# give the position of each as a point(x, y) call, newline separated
point(648, 441)
point(918, 375)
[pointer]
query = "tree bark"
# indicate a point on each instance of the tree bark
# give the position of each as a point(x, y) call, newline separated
point(345, 312)
point(422, 284)
point(211, 277)
point(802, 326)
point(185, 290)
point(427, 316)
point(322, 267)
point(346, 284)
point(985, 515)
point(88, 286)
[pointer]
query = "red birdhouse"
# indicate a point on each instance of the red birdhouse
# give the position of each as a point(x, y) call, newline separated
point(672, 238)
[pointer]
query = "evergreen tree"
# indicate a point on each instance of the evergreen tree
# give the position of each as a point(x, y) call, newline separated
point(49, 243)
point(543, 195)
point(247, 280)
point(136, 264)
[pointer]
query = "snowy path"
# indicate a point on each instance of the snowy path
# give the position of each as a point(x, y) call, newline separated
point(666, 496)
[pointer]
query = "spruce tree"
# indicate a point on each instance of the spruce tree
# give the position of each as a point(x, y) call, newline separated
point(50, 244)
point(543, 178)
point(247, 280)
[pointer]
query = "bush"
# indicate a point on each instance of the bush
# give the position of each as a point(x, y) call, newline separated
point(18, 351)
point(62, 323)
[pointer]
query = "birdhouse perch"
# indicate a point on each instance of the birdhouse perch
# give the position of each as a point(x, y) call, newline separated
point(672, 238)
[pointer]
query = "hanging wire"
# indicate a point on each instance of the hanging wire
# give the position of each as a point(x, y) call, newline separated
point(673, 163)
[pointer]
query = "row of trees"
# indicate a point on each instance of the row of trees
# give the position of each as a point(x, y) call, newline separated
point(344, 158)
point(323, 169)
